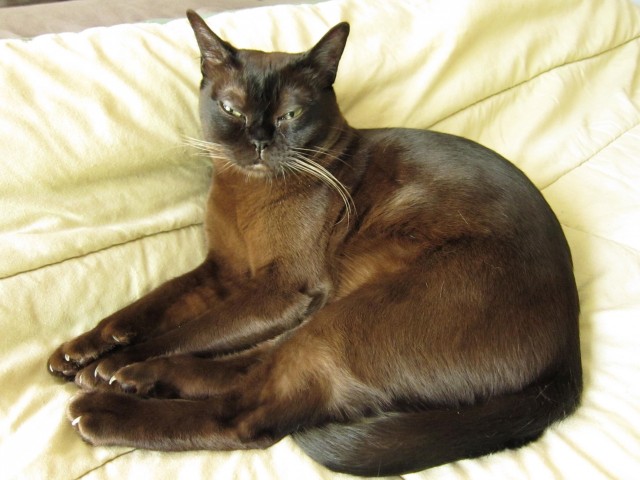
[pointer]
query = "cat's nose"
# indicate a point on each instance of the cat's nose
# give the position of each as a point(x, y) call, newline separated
point(260, 144)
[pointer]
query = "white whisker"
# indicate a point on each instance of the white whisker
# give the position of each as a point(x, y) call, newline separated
point(300, 162)
point(204, 145)
point(303, 164)
point(320, 152)
point(210, 150)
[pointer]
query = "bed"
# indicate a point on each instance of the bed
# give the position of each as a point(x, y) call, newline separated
point(101, 198)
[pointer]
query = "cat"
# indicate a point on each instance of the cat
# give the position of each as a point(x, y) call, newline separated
point(394, 299)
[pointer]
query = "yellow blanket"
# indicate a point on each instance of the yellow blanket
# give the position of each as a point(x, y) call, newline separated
point(101, 199)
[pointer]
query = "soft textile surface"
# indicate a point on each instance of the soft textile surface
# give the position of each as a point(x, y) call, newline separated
point(77, 15)
point(100, 200)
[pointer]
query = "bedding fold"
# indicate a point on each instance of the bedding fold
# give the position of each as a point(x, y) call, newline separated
point(95, 146)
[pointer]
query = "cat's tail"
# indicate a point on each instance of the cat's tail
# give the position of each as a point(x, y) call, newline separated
point(395, 443)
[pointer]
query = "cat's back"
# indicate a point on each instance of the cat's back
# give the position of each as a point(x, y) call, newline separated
point(431, 155)
point(450, 184)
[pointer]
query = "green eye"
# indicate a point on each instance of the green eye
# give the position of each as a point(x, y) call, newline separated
point(290, 115)
point(229, 110)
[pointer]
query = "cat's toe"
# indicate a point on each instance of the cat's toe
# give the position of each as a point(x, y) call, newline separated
point(87, 379)
point(107, 367)
point(94, 428)
point(97, 416)
point(61, 368)
point(135, 379)
point(104, 370)
point(62, 364)
point(71, 357)
point(88, 427)
point(81, 404)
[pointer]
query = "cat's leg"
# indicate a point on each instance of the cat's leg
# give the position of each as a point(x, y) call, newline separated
point(277, 395)
point(253, 316)
point(170, 305)
point(180, 376)
point(118, 419)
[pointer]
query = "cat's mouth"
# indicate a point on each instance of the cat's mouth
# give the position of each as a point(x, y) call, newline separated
point(258, 163)
point(258, 167)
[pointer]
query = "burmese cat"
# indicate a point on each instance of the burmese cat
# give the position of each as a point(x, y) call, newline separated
point(395, 299)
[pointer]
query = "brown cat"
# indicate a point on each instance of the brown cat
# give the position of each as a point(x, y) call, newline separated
point(395, 299)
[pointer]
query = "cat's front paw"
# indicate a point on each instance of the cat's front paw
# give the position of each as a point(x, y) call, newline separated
point(100, 417)
point(106, 368)
point(72, 356)
point(148, 378)
point(87, 379)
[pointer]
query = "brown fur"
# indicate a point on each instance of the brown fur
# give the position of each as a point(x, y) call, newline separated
point(418, 308)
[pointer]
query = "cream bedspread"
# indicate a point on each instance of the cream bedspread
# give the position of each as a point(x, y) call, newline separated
point(100, 199)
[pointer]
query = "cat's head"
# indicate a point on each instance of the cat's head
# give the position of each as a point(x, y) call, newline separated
point(264, 111)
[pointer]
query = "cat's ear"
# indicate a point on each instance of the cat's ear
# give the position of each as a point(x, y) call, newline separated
point(214, 50)
point(325, 55)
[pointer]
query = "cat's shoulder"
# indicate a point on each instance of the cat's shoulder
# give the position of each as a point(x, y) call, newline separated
point(434, 151)
point(409, 139)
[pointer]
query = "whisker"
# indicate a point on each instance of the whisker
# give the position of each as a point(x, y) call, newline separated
point(336, 186)
point(226, 166)
point(306, 165)
point(209, 155)
point(210, 150)
point(321, 151)
point(281, 169)
point(203, 145)
point(300, 163)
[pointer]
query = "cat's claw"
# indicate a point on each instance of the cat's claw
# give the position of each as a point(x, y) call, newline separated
point(76, 421)
point(112, 380)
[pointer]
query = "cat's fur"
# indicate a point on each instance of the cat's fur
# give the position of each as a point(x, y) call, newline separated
point(395, 299)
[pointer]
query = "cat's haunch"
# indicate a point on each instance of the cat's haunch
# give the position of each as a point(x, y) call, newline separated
point(396, 299)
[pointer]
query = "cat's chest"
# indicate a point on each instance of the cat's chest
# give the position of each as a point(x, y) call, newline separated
point(251, 232)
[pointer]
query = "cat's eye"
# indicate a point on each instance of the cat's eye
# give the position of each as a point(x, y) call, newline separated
point(290, 115)
point(229, 110)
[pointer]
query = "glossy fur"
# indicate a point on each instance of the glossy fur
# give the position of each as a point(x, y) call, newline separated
point(395, 299)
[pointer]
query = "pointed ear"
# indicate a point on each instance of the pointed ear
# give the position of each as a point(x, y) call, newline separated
point(214, 50)
point(326, 54)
